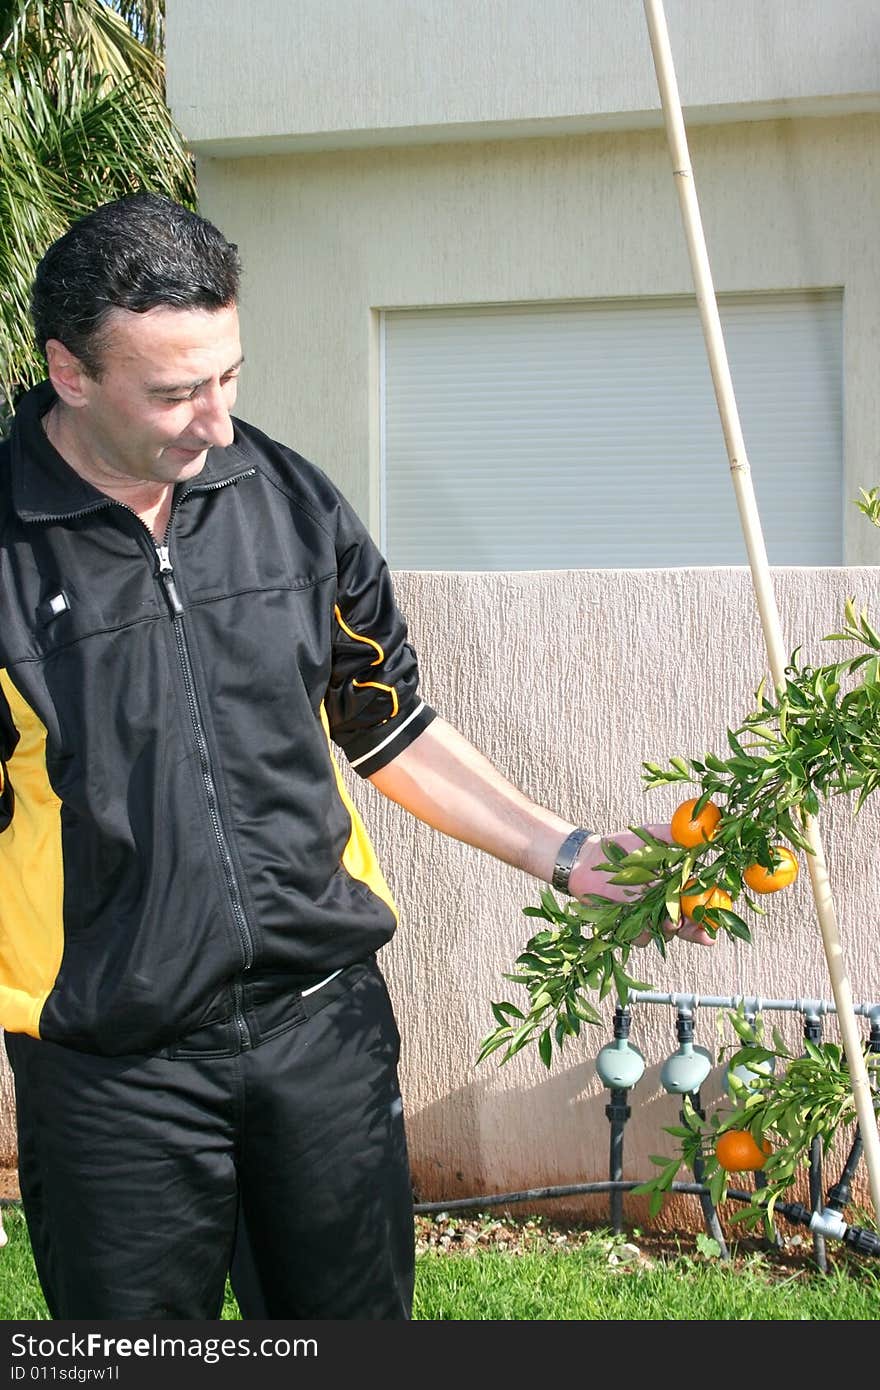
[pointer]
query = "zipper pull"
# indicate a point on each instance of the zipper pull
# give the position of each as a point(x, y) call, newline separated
point(166, 574)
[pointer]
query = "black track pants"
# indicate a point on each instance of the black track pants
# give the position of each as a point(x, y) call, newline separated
point(144, 1179)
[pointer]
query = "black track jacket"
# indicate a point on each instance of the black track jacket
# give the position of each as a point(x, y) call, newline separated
point(171, 814)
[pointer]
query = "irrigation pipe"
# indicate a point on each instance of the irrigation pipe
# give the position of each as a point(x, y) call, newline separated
point(864, 1241)
point(758, 563)
point(751, 1003)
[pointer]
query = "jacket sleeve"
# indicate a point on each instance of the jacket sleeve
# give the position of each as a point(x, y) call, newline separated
point(373, 702)
point(8, 740)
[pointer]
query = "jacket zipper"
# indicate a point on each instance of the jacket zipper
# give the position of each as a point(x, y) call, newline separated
point(166, 574)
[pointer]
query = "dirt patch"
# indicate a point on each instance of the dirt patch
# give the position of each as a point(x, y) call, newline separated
point(9, 1185)
point(470, 1233)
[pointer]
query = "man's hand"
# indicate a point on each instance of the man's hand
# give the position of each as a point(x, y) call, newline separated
point(585, 879)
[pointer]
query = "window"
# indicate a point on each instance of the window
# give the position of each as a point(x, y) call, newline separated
point(586, 435)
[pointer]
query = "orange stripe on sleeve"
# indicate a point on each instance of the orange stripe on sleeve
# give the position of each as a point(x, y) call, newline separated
point(370, 642)
point(356, 637)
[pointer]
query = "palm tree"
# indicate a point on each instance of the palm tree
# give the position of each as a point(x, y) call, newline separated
point(82, 120)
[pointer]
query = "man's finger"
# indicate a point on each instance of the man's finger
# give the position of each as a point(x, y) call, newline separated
point(687, 930)
point(692, 931)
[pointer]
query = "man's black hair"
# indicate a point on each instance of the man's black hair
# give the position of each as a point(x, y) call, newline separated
point(136, 253)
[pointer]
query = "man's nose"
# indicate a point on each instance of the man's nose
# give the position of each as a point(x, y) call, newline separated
point(214, 422)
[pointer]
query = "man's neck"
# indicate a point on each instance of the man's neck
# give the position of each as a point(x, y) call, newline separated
point(150, 501)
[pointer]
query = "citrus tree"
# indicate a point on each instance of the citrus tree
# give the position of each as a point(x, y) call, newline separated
point(82, 120)
point(736, 839)
point(779, 1105)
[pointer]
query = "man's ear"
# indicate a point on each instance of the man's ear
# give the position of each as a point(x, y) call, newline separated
point(67, 374)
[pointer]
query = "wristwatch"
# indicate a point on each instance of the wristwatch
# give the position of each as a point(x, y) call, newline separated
point(565, 859)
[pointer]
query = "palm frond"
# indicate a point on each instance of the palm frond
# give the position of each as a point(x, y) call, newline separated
point(68, 144)
point(98, 33)
point(146, 20)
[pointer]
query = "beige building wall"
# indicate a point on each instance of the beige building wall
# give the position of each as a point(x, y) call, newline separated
point(271, 76)
point(330, 239)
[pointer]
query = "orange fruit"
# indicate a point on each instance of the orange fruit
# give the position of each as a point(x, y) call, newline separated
point(761, 880)
point(738, 1152)
point(706, 897)
point(690, 831)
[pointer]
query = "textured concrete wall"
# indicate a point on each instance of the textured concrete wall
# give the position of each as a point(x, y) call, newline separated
point(568, 680)
point(320, 73)
point(330, 239)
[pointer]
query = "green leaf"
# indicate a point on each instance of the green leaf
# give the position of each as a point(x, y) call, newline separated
point(551, 906)
point(735, 743)
point(492, 1043)
point(870, 636)
point(532, 962)
point(622, 982)
point(763, 730)
point(742, 1027)
point(641, 985)
point(645, 835)
point(715, 764)
point(671, 901)
point(718, 1186)
point(708, 1248)
point(653, 853)
point(793, 833)
point(545, 1048)
point(732, 922)
point(655, 1203)
point(633, 876)
point(585, 1011)
point(614, 851)
point(502, 1009)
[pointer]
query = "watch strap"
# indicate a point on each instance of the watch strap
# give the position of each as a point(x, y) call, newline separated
point(565, 859)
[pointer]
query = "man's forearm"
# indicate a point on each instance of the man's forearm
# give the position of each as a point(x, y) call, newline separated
point(446, 782)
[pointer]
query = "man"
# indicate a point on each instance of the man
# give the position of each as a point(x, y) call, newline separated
point(204, 1052)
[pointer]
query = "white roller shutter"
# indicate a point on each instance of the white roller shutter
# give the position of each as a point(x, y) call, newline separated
point(586, 435)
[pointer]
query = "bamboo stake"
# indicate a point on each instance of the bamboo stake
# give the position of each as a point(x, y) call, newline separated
point(751, 524)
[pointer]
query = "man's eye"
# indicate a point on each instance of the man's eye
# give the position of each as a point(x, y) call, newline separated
point(191, 395)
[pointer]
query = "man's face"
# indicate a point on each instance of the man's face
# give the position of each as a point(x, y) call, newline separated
point(168, 384)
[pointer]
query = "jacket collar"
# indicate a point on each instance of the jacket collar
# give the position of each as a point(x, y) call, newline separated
point(45, 487)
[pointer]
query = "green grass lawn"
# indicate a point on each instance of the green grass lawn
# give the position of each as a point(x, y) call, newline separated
point(578, 1284)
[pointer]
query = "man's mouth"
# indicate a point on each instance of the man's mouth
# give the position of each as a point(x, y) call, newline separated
point(188, 452)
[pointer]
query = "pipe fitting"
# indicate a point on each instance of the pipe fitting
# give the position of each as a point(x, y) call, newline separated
point(828, 1222)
